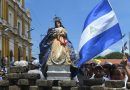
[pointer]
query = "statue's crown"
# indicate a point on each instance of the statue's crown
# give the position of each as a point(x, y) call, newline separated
point(56, 19)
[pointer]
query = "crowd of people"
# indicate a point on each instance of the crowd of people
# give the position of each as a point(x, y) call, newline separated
point(3, 68)
point(106, 71)
point(33, 67)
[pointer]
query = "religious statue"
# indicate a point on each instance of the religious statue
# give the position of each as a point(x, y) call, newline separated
point(55, 48)
point(59, 50)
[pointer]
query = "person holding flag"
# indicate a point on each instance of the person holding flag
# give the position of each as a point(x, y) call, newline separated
point(101, 30)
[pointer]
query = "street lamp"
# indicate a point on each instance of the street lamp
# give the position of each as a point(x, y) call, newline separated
point(6, 29)
point(30, 30)
point(4, 32)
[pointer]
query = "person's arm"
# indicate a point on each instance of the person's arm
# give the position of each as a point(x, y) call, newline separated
point(127, 72)
point(41, 75)
point(124, 62)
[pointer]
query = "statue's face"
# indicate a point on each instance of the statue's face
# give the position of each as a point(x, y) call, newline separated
point(58, 24)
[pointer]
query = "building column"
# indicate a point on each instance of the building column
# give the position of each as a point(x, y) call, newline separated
point(23, 27)
point(29, 33)
point(6, 13)
point(15, 15)
point(3, 46)
point(30, 54)
point(0, 46)
point(7, 50)
point(11, 48)
point(15, 50)
point(0, 40)
point(23, 3)
point(24, 52)
point(5, 10)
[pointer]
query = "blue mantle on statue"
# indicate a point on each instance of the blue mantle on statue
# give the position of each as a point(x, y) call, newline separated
point(45, 47)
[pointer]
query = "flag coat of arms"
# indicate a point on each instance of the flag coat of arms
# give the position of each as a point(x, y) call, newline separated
point(101, 30)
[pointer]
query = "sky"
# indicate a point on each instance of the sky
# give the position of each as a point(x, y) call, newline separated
point(73, 14)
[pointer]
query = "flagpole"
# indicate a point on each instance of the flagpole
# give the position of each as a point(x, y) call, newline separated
point(129, 43)
point(122, 48)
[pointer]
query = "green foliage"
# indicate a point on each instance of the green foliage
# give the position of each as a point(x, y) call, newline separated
point(100, 57)
point(113, 55)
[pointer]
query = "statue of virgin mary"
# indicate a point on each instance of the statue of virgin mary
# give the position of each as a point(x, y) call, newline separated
point(55, 48)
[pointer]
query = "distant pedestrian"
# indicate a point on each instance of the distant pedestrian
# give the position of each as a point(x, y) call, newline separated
point(4, 61)
point(36, 69)
point(21, 63)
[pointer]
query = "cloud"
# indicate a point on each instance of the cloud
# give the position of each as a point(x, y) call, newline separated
point(107, 51)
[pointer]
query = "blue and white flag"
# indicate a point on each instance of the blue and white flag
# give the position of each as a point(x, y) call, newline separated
point(101, 30)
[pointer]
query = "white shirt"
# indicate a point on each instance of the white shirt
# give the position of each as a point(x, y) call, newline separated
point(125, 80)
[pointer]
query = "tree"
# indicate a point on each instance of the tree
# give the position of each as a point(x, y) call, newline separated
point(114, 55)
point(100, 57)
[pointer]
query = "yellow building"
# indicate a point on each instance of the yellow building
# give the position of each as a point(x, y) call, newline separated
point(15, 38)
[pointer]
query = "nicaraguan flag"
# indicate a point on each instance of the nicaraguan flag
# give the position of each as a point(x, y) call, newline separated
point(101, 30)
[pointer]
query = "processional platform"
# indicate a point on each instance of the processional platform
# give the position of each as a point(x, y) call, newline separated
point(58, 72)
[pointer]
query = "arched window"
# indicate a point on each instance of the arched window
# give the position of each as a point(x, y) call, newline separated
point(11, 55)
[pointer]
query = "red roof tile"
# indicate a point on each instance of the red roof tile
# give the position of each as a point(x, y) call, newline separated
point(113, 61)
